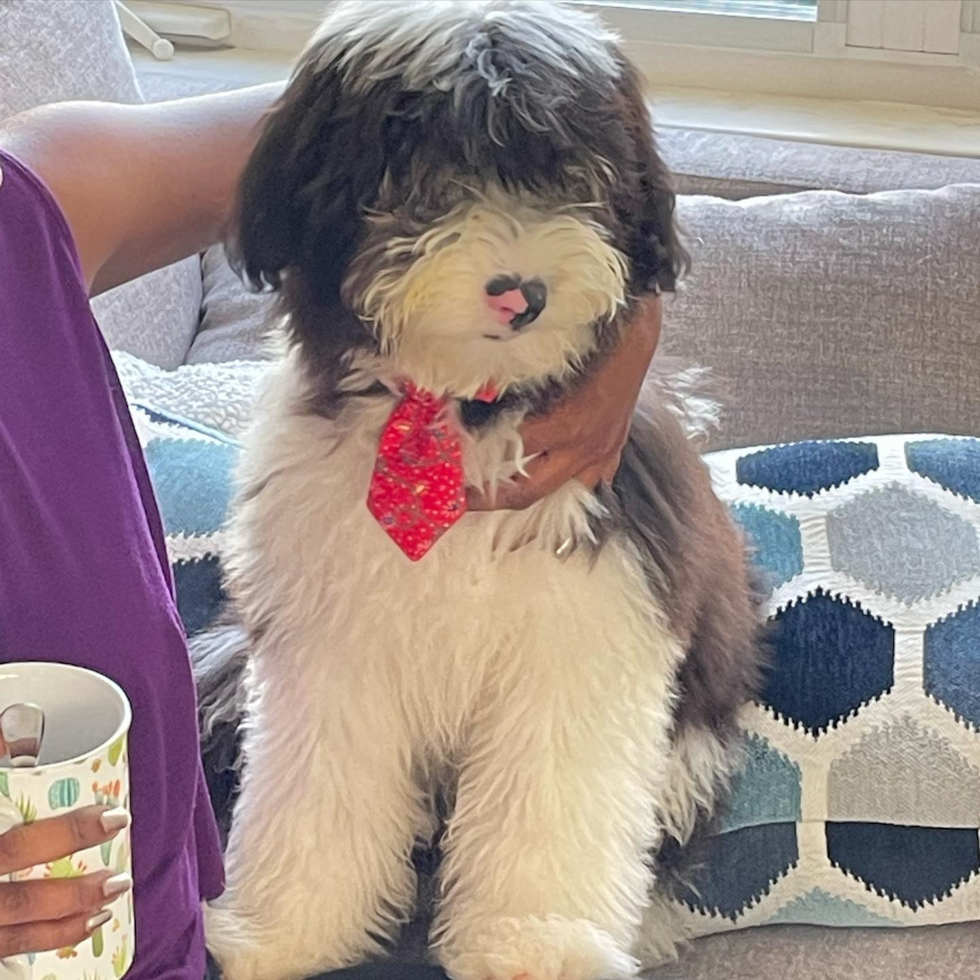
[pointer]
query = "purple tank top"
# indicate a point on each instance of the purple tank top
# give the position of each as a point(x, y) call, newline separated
point(84, 576)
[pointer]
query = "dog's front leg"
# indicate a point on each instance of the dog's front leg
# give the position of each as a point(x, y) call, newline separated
point(547, 851)
point(318, 864)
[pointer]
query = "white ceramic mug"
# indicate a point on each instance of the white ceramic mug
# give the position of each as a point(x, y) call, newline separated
point(83, 761)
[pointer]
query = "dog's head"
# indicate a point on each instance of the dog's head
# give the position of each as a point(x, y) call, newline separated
point(470, 188)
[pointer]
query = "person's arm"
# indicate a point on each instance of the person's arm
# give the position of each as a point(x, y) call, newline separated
point(144, 185)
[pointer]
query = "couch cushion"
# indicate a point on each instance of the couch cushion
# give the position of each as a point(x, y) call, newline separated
point(949, 952)
point(859, 800)
point(156, 316)
point(821, 314)
point(53, 51)
point(825, 314)
point(235, 322)
point(735, 166)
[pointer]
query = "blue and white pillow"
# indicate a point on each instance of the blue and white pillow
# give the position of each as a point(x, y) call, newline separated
point(191, 467)
point(860, 800)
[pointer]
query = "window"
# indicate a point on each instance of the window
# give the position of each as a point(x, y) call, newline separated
point(786, 9)
point(914, 51)
point(898, 31)
point(750, 25)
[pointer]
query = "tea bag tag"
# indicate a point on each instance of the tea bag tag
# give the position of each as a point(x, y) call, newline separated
point(22, 728)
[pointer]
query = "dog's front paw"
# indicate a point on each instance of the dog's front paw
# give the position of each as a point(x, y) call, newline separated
point(232, 944)
point(530, 948)
point(290, 944)
point(243, 951)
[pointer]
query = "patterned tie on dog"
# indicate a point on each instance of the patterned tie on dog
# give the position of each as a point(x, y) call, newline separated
point(417, 489)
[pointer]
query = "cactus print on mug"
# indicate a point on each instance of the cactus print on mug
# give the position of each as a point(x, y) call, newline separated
point(99, 778)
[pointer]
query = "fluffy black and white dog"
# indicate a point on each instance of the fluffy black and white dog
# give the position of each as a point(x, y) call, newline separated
point(451, 194)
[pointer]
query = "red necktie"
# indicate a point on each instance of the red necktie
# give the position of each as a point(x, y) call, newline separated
point(417, 489)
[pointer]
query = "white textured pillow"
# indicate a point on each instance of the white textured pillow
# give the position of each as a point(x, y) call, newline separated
point(221, 396)
point(63, 50)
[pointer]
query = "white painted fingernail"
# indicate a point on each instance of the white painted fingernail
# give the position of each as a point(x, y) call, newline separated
point(98, 920)
point(115, 820)
point(116, 885)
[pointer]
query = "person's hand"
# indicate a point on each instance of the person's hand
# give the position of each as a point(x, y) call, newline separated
point(583, 437)
point(39, 915)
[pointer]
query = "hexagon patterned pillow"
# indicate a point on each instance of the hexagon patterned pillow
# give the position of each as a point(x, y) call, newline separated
point(191, 467)
point(859, 803)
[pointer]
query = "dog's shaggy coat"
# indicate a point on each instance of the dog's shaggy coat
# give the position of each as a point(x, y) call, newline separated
point(569, 674)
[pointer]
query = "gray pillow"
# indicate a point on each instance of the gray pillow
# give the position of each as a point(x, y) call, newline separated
point(60, 50)
point(156, 316)
point(235, 322)
point(825, 315)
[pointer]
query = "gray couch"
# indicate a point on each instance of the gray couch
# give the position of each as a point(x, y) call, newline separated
point(833, 292)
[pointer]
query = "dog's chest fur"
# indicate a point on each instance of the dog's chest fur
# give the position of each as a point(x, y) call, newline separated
point(442, 636)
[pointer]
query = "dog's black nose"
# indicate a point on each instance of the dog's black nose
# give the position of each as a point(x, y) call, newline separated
point(536, 294)
point(515, 301)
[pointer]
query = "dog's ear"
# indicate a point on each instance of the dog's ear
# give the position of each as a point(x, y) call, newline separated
point(317, 164)
point(647, 209)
